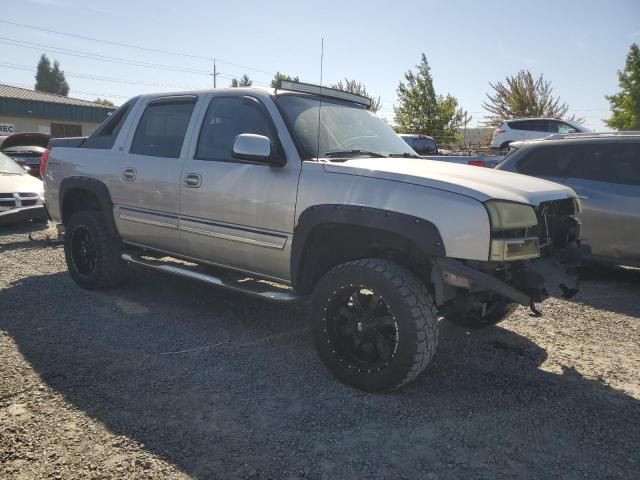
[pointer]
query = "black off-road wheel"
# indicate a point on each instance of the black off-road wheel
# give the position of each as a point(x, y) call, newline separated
point(471, 316)
point(92, 254)
point(374, 324)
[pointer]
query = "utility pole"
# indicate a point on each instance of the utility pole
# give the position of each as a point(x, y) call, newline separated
point(215, 74)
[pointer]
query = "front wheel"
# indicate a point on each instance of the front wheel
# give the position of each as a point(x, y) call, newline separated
point(374, 324)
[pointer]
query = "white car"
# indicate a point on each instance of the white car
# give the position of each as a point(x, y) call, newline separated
point(530, 128)
point(20, 193)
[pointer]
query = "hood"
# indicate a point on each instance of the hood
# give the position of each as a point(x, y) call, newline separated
point(20, 183)
point(26, 140)
point(479, 183)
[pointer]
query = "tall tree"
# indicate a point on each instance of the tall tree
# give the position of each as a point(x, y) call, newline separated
point(352, 86)
point(522, 95)
point(50, 79)
point(281, 76)
point(625, 105)
point(420, 110)
point(244, 81)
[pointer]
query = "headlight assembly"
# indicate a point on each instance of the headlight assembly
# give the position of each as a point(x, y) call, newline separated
point(509, 224)
point(510, 215)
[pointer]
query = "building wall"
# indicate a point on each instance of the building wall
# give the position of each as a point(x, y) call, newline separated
point(43, 125)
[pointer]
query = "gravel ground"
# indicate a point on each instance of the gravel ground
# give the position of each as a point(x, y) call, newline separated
point(164, 378)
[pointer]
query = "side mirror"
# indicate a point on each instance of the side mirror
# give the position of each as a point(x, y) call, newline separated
point(256, 148)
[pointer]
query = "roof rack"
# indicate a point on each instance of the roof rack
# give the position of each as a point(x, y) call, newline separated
point(323, 92)
point(559, 136)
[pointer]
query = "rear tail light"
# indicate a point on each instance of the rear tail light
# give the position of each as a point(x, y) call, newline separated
point(43, 160)
point(477, 163)
point(498, 131)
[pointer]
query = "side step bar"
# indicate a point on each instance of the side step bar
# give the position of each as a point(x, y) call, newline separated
point(229, 280)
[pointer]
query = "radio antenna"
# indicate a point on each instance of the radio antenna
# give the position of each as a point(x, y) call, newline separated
point(320, 107)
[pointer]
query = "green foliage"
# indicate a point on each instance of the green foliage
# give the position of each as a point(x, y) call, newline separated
point(103, 101)
point(244, 81)
point(281, 76)
point(523, 96)
point(625, 105)
point(50, 79)
point(358, 88)
point(420, 110)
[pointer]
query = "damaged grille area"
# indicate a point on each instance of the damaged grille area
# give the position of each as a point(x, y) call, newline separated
point(556, 224)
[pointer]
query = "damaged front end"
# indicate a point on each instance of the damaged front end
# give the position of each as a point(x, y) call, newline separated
point(527, 262)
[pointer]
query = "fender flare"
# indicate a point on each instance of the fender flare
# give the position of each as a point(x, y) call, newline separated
point(98, 189)
point(418, 230)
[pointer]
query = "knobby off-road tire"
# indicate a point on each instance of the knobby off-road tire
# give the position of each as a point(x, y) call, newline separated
point(92, 254)
point(472, 318)
point(374, 324)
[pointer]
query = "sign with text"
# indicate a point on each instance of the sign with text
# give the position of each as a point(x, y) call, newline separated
point(7, 129)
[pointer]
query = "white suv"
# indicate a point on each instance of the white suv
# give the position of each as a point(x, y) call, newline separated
point(530, 128)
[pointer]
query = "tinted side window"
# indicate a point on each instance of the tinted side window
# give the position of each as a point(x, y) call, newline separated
point(610, 162)
point(548, 161)
point(105, 135)
point(424, 146)
point(226, 118)
point(530, 125)
point(162, 127)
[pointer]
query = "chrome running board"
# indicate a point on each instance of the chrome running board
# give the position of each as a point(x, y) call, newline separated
point(236, 282)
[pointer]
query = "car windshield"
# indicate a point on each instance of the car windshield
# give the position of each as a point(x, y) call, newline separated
point(9, 167)
point(346, 130)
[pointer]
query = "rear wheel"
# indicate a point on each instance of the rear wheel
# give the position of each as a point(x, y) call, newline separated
point(92, 254)
point(374, 324)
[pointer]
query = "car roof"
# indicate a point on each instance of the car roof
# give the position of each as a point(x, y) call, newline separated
point(415, 135)
point(601, 137)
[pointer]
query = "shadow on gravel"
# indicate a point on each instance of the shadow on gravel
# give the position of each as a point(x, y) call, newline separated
point(612, 288)
point(224, 386)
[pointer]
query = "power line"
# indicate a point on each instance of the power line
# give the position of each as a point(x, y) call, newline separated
point(86, 76)
point(99, 57)
point(137, 47)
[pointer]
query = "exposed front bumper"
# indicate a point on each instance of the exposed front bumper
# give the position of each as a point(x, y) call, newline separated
point(529, 282)
point(16, 215)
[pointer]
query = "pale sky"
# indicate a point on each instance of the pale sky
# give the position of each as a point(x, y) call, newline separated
point(578, 45)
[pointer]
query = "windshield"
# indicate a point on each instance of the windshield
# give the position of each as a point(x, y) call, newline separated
point(345, 130)
point(7, 165)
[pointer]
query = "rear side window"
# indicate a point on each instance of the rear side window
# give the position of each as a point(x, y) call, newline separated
point(228, 117)
point(531, 125)
point(548, 161)
point(105, 135)
point(610, 162)
point(162, 128)
point(424, 146)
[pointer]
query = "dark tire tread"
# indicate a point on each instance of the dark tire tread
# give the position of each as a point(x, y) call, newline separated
point(110, 269)
point(423, 312)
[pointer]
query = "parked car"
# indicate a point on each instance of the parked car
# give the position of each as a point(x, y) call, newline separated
point(301, 187)
point(604, 170)
point(21, 194)
point(530, 128)
point(26, 149)
point(421, 144)
point(427, 148)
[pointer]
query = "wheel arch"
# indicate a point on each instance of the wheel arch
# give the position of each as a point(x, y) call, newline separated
point(330, 234)
point(86, 193)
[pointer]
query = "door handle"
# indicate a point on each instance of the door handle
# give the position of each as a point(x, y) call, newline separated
point(129, 174)
point(192, 180)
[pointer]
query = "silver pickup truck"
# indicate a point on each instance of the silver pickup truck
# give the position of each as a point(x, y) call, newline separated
point(300, 191)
